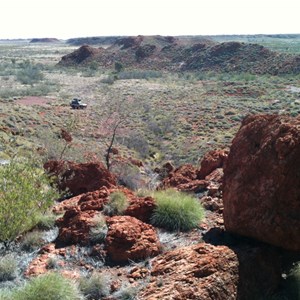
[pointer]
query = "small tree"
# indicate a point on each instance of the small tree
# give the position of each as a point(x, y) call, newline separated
point(114, 115)
point(25, 193)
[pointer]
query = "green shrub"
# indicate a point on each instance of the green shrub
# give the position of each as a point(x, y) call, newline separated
point(117, 204)
point(94, 287)
point(176, 210)
point(8, 267)
point(50, 286)
point(25, 193)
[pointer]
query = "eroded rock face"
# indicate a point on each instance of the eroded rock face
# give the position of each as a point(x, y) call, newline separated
point(261, 191)
point(80, 178)
point(130, 239)
point(200, 271)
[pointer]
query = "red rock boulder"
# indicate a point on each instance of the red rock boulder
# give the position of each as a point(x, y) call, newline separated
point(79, 178)
point(75, 226)
point(261, 190)
point(130, 239)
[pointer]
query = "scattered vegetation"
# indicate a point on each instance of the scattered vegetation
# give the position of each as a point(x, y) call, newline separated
point(117, 204)
point(176, 210)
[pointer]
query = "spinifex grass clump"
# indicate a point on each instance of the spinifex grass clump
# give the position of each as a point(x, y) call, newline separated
point(117, 204)
point(176, 211)
point(50, 286)
point(94, 287)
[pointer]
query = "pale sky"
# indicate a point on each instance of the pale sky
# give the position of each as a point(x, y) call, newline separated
point(81, 18)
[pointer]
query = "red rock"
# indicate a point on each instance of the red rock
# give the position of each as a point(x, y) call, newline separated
point(141, 208)
point(80, 178)
point(75, 225)
point(94, 200)
point(130, 239)
point(261, 191)
point(66, 205)
point(211, 161)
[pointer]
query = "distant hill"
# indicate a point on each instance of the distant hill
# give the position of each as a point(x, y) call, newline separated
point(45, 40)
point(185, 54)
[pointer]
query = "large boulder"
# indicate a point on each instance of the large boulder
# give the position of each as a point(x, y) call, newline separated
point(204, 271)
point(79, 178)
point(261, 190)
point(130, 239)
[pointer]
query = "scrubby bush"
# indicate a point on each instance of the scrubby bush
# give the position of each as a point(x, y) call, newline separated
point(8, 267)
point(50, 286)
point(117, 204)
point(29, 73)
point(25, 193)
point(94, 287)
point(176, 210)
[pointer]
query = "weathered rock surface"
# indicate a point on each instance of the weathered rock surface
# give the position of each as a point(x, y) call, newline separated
point(80, 178)
point(201, 271)
point(130, 239)
point(141, 208)
point(204, 271)
point(261, 191)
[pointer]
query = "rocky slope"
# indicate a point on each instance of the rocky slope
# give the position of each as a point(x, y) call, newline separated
point(261, 201)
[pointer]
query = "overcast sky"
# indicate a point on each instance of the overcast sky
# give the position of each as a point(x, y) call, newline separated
point(80, 18)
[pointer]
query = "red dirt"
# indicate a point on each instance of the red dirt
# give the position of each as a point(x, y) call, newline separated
point(33, 101)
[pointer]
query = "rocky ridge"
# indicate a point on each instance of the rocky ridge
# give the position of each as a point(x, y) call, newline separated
point(170, 53)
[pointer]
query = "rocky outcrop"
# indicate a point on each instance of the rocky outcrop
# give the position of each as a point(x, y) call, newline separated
point(81, 55)
point(130, 239)
point(201, 271)
point(212, 160)
point(79, 178)
point(261, 190)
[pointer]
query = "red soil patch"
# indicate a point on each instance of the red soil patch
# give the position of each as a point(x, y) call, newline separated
point(33, 101)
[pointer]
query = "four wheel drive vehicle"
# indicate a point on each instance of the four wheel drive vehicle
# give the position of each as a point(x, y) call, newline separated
point(77, 104)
